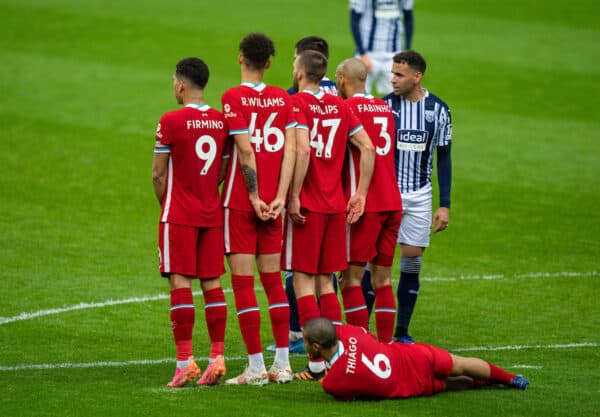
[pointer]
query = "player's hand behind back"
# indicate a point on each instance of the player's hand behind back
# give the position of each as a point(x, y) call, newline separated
point(294, 210)
point(355, 208)
point(261, 209)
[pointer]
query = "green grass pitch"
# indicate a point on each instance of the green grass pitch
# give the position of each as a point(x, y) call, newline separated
point(515, 279)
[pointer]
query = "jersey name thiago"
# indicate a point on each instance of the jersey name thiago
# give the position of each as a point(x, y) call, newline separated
point(366, 368)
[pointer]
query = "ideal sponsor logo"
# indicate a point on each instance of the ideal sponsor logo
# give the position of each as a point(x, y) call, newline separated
point(412, 140)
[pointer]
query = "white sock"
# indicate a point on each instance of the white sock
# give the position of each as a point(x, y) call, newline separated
point(257, 362)
point(183, 364)
point(282, 357)
point(316, 367)
point(295, 336)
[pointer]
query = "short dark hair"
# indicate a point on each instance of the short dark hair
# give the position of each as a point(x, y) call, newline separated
point(194, 70)
point(257, 48)
point(320, 331)
point(413, 59)
point(313, 43)
point(314, 65)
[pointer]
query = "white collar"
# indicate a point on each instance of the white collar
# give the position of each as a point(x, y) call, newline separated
point(258, 87)
point(201, 107)
point(339, 352)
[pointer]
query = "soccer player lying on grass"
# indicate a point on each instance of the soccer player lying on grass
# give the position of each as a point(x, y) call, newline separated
point(362, 367)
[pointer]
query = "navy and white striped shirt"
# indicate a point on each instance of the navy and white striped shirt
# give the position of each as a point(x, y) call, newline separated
point(378, 24)
point(420, 127)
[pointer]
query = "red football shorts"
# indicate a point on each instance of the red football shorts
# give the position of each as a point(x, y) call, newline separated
point(373, 237)
point(191, 251)
point(434, 366)
point(316, 247)
point(245, 233)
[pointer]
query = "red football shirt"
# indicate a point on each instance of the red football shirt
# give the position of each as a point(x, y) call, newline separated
point(264, 112)
point(367, 368)
point(330, 123)
point(195, 137)
point(377, 119)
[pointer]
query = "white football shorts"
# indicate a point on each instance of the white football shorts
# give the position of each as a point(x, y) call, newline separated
point(381, 75)
point(416, 218)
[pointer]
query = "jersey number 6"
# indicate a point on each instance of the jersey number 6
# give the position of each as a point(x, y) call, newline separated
point(375, 365)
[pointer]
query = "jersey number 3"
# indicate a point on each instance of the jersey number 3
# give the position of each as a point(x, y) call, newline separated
point(383, 121)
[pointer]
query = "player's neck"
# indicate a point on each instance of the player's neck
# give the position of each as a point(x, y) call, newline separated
point(416, 94)
point(352, 91)
point(309, 86)
point(193, 99)
point(251, 75)
point(330, 353)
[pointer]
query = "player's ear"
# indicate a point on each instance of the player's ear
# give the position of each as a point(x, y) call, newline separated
point(267, 64)
point(240, 59)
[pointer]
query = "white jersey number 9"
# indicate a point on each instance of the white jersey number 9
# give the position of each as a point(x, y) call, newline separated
point(383, 121)
point(209, 155)
point(268, 132)
point(375, 365)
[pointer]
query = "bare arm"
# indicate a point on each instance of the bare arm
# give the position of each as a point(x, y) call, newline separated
point(248, 166)
point(285, 175)
point(356, 204)
point(300, 169)
point(224, 165)
point(159, 174)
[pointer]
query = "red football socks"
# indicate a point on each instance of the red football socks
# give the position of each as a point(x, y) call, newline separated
point(308, 308)
point(215, 310)
point(385, 313)
point(182, 321)
point(330, 308)
point(279, 309)
point(499, 375)
point(355, 307)
point(247, 312)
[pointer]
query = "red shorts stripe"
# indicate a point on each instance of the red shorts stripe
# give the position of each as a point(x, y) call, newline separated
point(373, 237)
point(245, 233)
point(317, 246)
point(196, 252)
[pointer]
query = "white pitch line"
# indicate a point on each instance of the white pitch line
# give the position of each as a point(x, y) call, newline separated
point(83, 306)
point(524, 367)
point(523, 347)
point(492, 277)
point(101, 364)
point(111, 364)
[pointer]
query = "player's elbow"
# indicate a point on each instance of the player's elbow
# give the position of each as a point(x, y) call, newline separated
point(368, 150)
point(158, 175)
point(245, 154)
point(303, 151)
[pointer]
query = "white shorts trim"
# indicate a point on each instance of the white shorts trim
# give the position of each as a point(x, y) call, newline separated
point(416, 218)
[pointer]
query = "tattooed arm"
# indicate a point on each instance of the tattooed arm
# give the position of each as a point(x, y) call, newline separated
point(248, 166)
